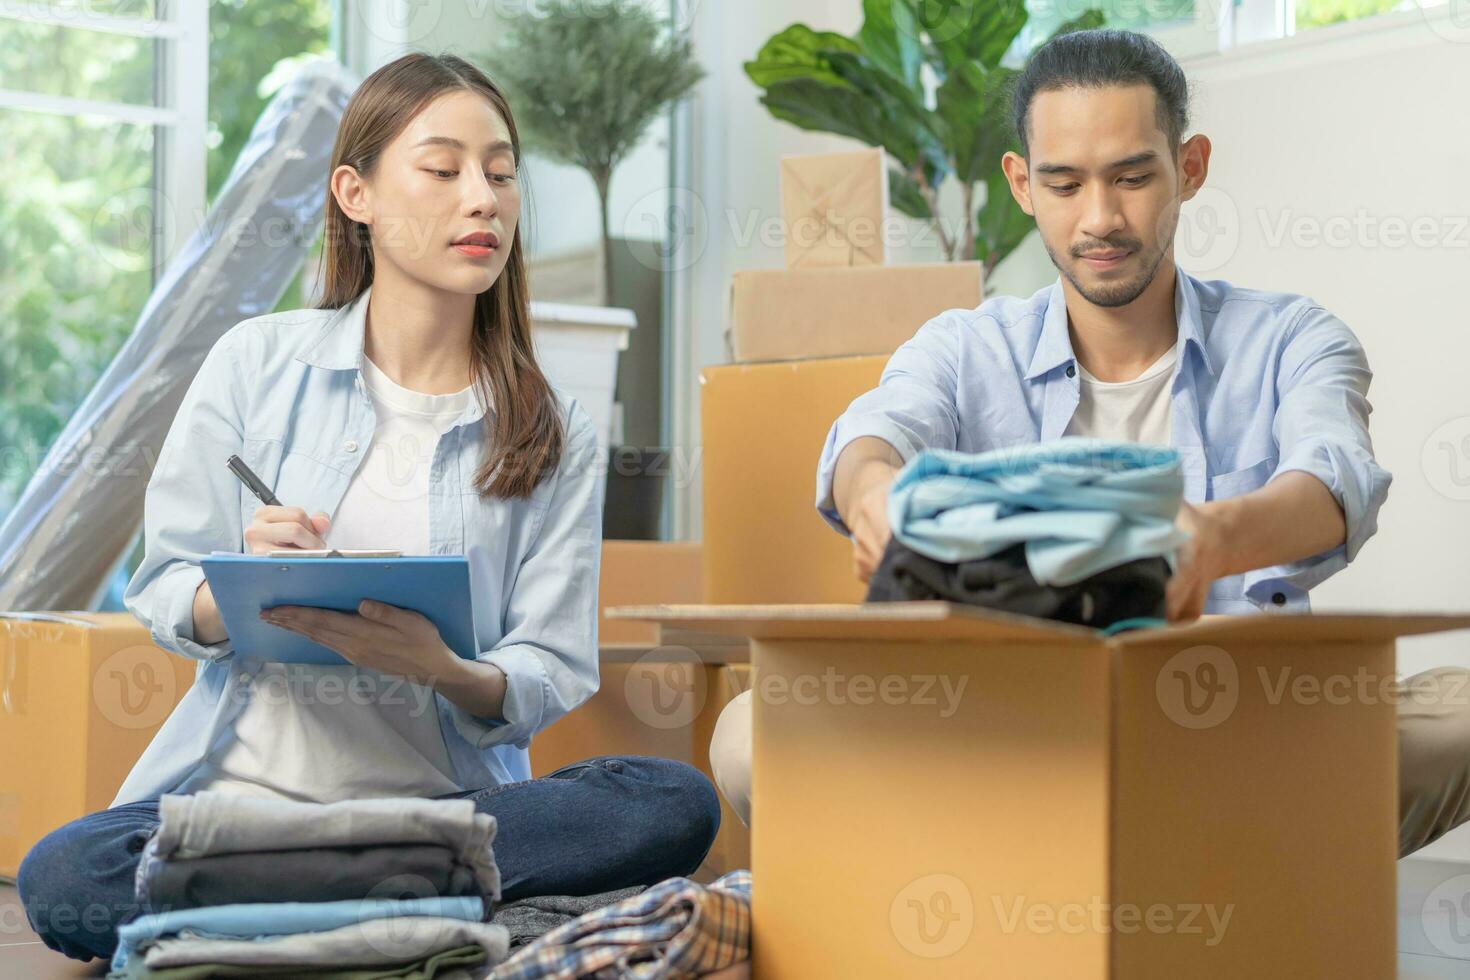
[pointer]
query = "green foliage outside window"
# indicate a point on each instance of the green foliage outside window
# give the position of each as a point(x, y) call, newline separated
point(76, 258)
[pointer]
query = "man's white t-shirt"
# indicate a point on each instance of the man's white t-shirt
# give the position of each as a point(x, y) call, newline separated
point(326, 733)
point(1128, 411)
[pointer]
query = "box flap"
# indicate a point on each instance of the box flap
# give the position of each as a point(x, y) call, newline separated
point(1298, 628)
point(861, 621)
point(948, 621)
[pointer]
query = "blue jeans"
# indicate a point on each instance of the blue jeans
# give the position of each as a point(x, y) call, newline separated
point(592, 827)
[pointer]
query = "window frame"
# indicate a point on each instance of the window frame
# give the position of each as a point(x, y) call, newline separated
point(178, 115)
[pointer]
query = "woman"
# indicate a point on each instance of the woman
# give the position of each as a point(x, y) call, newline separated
point(411, 409)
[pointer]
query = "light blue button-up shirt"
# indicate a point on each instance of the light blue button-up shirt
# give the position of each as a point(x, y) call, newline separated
point(1265, 383)
point(284, 392)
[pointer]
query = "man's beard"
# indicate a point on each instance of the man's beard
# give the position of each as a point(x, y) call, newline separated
point(1113, 294)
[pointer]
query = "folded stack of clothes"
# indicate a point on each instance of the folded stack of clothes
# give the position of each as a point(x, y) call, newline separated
point(237, 886)
point(676, 930)
point(1078, 530)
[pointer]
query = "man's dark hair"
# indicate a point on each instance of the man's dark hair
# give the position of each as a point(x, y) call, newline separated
point(1100, 58)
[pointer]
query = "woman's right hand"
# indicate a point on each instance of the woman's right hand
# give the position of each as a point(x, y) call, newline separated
point(285, 527)
point(272, 528)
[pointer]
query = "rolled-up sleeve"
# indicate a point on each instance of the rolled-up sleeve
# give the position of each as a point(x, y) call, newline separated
point(1321, 428)
point(912, 409)
point(192, 505)
point(549, 649)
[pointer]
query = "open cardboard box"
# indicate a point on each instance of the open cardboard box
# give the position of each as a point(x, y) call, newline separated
point(945, 791)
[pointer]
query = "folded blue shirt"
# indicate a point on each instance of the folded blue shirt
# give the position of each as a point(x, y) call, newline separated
point(254, 920)
point(1080, 506)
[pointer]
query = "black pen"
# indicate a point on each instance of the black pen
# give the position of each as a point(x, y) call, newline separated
point(252, 482)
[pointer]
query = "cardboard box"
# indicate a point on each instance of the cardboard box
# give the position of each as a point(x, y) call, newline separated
point(834, 205)
point(663, 704)
point(783, 314)
point(81, 696)
point(763, 429)
point(646, 571)
point(942, 791)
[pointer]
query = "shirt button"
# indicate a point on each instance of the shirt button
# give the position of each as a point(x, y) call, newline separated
point(350, 445)
point(1071, 371)
point(1279, 599)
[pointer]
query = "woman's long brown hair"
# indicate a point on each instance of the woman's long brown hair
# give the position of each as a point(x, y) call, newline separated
point(527, 438)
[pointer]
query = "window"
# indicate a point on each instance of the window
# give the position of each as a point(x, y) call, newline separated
point(104, 108)
point(100, 103)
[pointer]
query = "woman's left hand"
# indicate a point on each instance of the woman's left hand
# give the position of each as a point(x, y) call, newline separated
point(393, 641)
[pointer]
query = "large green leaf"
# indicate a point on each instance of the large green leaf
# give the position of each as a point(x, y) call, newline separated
point(890, 37)
point(798, 53)
point(824, 108)
point(969, 30)
point(973, 111)
point(913, 136)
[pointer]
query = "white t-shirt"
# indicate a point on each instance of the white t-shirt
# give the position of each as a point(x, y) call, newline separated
point(1128, 411)
point(326, 733)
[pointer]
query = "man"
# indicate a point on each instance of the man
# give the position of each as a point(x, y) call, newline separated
point(1264, 395)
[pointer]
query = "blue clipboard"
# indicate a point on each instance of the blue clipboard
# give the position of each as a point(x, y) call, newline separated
point(438, 586)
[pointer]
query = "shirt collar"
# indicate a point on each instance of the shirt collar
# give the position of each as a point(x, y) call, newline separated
point(338, 347)
point(1054, 348)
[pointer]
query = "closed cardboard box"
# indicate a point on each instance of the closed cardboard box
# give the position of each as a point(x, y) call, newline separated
point(646, 571)
point(763, 427)
point(782, 314)
point(81, 696)
point(942, 791)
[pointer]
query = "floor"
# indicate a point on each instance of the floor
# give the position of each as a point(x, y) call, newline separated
point(1433, 895)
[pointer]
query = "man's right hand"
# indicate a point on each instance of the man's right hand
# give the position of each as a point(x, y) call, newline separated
point(869, 526)
point(285, 527)
point(865, 470)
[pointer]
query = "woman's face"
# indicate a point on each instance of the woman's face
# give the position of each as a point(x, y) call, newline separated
point(443, 200)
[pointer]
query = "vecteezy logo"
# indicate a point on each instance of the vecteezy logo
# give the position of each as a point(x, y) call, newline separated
point(1208, 231)
point(134, 688)
point(666, 688)
point(1446, 917)
point(676, 223)
point(933, 916)
point(400, 21)
point(1198, 687)
point(1450, 19)
point(1446, 459)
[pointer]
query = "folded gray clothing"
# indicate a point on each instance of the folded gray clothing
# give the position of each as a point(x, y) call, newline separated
point(312, 874)
point(375, 942)
point(531, 918)
point(211, 822)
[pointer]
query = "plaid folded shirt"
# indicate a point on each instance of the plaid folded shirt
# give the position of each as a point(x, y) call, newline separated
point(674, 930)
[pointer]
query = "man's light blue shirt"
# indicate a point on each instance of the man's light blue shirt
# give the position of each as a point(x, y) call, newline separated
point(1265, 383)
point(285, 393)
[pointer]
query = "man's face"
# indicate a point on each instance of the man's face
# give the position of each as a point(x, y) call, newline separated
point(1104, 186)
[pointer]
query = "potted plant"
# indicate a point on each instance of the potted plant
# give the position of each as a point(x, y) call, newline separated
point(587, 80)
point(923, 79)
